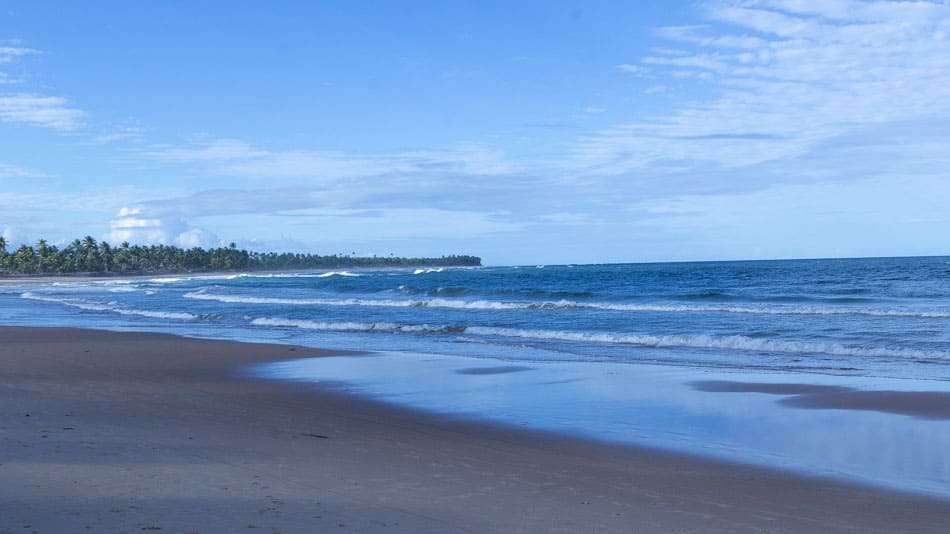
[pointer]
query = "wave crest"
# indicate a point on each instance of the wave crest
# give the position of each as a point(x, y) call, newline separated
point(566, 305)
point(112, 308)
point(356, 327)
point(696, 341)
point(701, 341)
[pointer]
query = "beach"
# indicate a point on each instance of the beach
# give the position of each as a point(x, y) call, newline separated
point(107, 431)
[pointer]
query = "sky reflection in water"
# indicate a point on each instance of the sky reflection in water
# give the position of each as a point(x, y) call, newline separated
point(663, 406)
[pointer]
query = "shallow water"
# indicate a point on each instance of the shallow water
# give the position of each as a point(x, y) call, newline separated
point(663, 406)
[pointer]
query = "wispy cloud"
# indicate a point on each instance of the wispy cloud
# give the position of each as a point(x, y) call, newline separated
point(782, 78)
point(32, 108)
point(239, 158)
point(204, 150)
point(10, 53)
point(37, 110)
point(630, 68)
point(117, 135)
point(13, 171)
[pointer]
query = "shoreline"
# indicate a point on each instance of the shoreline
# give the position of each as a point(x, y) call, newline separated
point(83, 278)
point(130, 431)
point(49, 278)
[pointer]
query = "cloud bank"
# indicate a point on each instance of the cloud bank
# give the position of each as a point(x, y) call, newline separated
point(134, 226)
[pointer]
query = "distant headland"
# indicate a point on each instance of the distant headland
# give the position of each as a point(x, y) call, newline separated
point(88, 256)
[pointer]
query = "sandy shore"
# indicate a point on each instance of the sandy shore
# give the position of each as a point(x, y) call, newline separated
point(131, 432)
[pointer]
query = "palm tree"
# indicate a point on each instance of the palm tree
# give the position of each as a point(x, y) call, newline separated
point(43, 251)
point(24, 260)
point(91, 254)
point(75, 256)
point(107, 255)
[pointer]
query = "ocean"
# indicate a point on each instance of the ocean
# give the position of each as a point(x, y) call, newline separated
point(611, 352)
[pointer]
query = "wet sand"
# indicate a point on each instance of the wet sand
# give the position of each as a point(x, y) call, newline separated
point(920, 404)
point(133, 432)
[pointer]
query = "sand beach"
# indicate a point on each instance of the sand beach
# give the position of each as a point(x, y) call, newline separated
point(126, 432)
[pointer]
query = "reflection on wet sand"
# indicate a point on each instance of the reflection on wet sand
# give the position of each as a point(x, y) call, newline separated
point(920, 404)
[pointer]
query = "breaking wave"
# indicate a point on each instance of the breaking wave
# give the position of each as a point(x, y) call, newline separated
point(111, 308)
point(336, 273)
point(736, 342)
point(356, 327)
point(565, 305)
point(696, 341)
point(426, 271)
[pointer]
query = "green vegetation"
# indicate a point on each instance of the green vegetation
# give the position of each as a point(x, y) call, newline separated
point(90, 257)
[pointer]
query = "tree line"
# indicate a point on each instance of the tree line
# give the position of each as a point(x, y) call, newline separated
point(94, 257)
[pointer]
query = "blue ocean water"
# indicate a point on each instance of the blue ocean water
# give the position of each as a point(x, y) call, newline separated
point(609, 352)
point(882, 317)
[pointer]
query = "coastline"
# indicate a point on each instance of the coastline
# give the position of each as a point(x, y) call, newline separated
point(130, 431)
point(47, 279)
point(105, 277)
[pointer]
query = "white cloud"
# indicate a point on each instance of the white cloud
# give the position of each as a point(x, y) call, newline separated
point(13, 171)
point(16, 236)
point(45, 111)
point(783, 77)
point(630, 68)
point(136, 225)
point(239, 158)
point(125, 133)
point(37, 110)
point(10, 53)
point(196, 237)
point(214, 150)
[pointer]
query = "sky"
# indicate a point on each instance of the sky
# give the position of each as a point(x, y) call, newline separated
point(522, 132)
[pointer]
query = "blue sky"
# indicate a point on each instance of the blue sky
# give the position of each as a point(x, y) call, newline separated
point(523, 132)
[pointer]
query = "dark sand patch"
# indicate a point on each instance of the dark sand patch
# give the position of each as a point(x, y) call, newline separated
point(920, 404)
point(725, 386)
point(499, 370)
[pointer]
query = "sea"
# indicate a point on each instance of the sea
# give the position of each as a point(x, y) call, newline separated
point(622, 353)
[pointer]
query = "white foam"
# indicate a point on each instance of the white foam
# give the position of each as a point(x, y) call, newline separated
point(736, 342)
point(291, 275)
point(760, 310)
point(566, 304)
point(110, 307)
point(175, 279)
point(336, 273)
point(350, 326)
point(426, 271)
point(122, 289)
point(377, 303)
